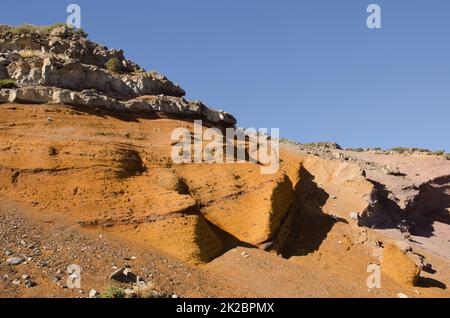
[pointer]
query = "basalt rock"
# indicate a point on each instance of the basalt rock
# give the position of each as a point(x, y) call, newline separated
point(58, 65)
point(93, 99)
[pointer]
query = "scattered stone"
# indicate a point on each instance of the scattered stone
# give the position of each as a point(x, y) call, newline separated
point(129, 293)
point(30, 284)
point(354, 216)
point(15, 260)
point(401, 295)
point(25, 277)
point(8, 253)
point(94, 294)
point(245, 254)
point(123, 275)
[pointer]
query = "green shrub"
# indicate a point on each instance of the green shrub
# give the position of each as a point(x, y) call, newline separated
point(81, 33)
point(356, 149)
point(439, 153)
point(30, 28)
point(405, 149)
point(46, 29)
point(8, 83)
point(114, 65)
point(113, 292)
point(399, 149)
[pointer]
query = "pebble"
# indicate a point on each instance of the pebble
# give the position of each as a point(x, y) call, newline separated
point(15, 260)
point(129, 292)
point(354, 216)
point(94, 294)
point(401, 295)
point(245, 254)
point(30, 284)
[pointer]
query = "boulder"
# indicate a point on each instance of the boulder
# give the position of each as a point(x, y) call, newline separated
point(4, 95)
point(31, 95)
point(398, 266)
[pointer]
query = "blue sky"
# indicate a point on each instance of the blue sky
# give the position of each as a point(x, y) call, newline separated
point(309, 67)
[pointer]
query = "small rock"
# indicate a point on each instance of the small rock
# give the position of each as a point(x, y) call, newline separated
point(94, 294)
point(174, 296)
point(401, 295)
point(8, 253)
point(123, 275)
point(25, 277)
point(139, 279)
point(354, 216)
point(245, 254)
point(129, 293)
point(30, 284)
point(15, 260)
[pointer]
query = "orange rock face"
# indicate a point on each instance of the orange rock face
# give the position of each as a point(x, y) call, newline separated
point(398, 266)
point(116, 173)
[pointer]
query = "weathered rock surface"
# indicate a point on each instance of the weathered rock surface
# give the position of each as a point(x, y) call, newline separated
point(91, 98)
point(397, 265)
point(57, 65)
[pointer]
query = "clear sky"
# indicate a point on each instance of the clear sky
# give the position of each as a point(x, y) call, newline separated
point(309, 67)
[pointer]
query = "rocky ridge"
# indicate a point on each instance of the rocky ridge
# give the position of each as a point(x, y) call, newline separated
point(58, 65)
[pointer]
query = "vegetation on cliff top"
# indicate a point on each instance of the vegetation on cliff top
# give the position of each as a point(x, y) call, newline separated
point(8, 83)
point(46, 29)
